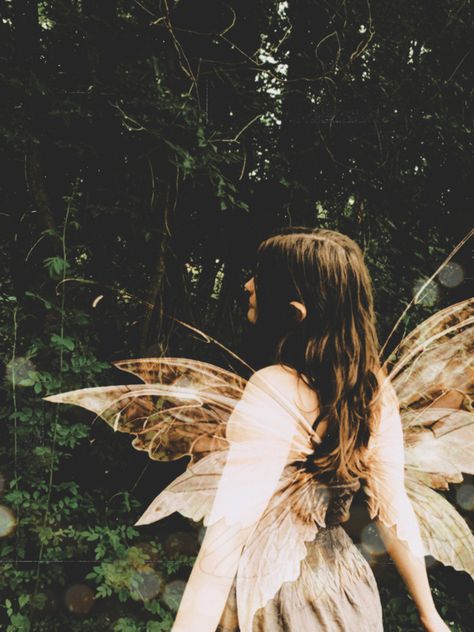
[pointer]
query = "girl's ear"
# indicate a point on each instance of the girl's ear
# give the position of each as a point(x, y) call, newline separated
point(301, 309)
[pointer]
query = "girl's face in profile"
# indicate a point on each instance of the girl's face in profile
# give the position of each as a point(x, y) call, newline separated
point(252, 309)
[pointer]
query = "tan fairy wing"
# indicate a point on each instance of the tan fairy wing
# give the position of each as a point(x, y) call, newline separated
point(433, 366)
point(274, 551)
point(433, 377)
point(432, 417)
point(261, 434)
point(201, 376)
point(233, 484)
point(253, 484)
point(198, 410)
point(192, 493)
point(440, 447)
point(446, 535)
point(184, 412)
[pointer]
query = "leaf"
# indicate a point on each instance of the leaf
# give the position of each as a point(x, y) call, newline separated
point(56, 266)
point(65, 342)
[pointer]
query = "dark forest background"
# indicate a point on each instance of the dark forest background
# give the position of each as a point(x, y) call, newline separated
point(147, 147)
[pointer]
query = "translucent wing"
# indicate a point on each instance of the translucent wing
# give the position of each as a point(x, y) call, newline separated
point(181, 410)
point(446, 535)
point(433, 366)
point(246, 444)
point(429, 427)
point(300, 507)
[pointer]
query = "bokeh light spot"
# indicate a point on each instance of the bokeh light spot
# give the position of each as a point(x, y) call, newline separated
point(79, 598)
point(173, 593)
point(357, 521)
point(181, 543)
point(366, 553)
point(465, 496)
point(21, 372)
point(201, 533)
point(451, 275)
point(430, 295)
point(147, 583)
point(372, 541)
point(7, 521)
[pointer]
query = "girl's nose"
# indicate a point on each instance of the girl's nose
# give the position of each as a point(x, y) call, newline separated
point(248, 286)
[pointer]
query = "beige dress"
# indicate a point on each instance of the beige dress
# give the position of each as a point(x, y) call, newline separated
point(336, 590)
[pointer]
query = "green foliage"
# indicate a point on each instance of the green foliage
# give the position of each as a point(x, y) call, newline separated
point(147, 148)
point(56, 520)
point(400, 613)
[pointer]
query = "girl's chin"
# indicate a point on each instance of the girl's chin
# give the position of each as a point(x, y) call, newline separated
point(251, 316)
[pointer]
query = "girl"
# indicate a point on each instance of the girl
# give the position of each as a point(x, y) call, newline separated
point(312, 307)
point(276, 459)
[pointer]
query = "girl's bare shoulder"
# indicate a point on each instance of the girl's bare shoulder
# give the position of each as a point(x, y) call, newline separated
point(277, 374)
point(286, 381)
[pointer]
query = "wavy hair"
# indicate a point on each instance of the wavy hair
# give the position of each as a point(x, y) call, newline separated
point(335, 349)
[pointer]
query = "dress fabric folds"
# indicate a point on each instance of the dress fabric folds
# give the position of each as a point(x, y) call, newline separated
point(336, 591)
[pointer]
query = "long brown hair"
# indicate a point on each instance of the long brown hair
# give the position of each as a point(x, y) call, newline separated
point(335, 349)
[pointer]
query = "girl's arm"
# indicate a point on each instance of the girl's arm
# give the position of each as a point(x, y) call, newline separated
point(412, 570)
point(206, 593)
point(393, 512)
point(260, 431)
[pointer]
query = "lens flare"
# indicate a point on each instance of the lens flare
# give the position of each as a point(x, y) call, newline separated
point(148, 550)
